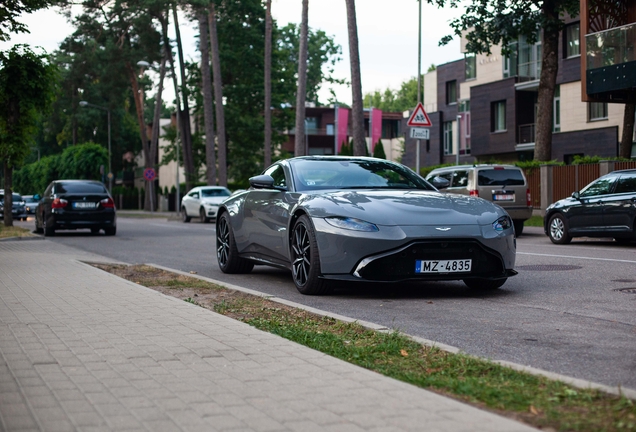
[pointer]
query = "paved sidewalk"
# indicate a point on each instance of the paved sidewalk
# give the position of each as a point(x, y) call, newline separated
point(81, 349)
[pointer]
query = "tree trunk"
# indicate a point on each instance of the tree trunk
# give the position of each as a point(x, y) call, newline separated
point(301, 92)
point(267, 149)
point(218, 97)
point(156, 131)
point(627, 139)
point(186, 133)
point(357, 113)
point(208, 109)
point(547, 84)
point(8, 194)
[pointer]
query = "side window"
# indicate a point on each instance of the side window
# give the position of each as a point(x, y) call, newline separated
point(278, 174)
point(602, 186)
point(447, 175)
point(460, 179)
point(626, 183)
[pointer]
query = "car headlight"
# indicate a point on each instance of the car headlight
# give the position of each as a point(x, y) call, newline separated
point(351, 224)
point(502, 224)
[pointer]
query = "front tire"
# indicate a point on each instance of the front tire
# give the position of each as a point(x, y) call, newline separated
point(306, 259)
point(202, 216)
point(110, 231)
point(184, 215)
point(558, 230)
point(485, 284)
point(226, 251)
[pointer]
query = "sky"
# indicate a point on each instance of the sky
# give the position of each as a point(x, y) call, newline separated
point(387, 37)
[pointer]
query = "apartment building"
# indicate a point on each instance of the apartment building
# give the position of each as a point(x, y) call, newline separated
point(484, 107)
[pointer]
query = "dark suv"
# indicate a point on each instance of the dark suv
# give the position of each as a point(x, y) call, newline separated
point(76, 204)
point(17, 206)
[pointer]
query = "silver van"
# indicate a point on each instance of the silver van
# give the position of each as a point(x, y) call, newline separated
point(505, 185)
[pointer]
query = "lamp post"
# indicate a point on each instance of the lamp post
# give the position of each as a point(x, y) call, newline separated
point(110, 171)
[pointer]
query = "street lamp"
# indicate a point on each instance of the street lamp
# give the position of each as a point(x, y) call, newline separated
point(110, 171)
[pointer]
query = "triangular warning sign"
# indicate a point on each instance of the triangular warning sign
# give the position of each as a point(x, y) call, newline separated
point(419, 117)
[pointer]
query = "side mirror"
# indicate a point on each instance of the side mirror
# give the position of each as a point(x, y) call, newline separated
point(440, 182)
point(576, 195)
point(262, 182)
point(37, 197)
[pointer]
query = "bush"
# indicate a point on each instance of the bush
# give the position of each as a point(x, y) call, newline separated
point(378, 151)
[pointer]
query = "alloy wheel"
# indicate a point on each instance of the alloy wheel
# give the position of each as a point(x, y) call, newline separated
point(222, 242)
point(301, 248)
point(557, 228)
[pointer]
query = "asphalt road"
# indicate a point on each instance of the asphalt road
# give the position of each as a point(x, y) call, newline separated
point(570, 310)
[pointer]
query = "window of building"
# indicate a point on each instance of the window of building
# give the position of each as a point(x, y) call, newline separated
point(451, 92)
point(448, 138)
point(330, 130)
point(311, 124)
point(571, 40)
point(529, 64)
point(597, 111)
point(556, 107)
point(470, 64)
point(498, 116)
point(510, 61)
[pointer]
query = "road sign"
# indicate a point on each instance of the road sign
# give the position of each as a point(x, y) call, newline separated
point(150, 174)
point(419, 118)
point(420, 133)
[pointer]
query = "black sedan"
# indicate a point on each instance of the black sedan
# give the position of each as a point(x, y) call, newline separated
point(604, 208)
point(362, 219)
point(76, 204)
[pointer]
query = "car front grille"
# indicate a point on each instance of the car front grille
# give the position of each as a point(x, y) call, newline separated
point(400, 264)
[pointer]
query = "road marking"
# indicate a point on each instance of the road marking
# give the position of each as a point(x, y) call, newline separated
point(577, 257)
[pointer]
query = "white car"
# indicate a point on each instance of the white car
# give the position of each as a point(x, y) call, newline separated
point(203, 201)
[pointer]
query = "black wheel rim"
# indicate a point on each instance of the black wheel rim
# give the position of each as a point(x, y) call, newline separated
point(222, 242)
point(301, 248)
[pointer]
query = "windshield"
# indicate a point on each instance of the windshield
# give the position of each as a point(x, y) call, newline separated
point(217, 192)
point(14, 197)
point(312, 174)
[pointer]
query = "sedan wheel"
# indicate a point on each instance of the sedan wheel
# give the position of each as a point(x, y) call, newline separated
point(558, 230)
point(305, 259)
point(48, 231)
point(226, 251)
point(184, 215)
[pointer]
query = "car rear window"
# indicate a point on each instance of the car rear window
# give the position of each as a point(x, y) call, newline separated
point(500, 177)
point(78, 187)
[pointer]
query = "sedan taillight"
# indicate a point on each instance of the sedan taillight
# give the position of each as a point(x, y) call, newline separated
point(59, 203)
point(474, 193)
point(107, 203)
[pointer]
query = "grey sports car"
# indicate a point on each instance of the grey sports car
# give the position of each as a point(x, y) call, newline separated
point(362, 219)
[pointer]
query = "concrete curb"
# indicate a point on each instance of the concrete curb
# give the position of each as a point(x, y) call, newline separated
point(574, 382)
point(32, 237)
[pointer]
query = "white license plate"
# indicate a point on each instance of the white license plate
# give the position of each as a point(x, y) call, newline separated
point(84, 205)
point(503, 197)
point(443, 266)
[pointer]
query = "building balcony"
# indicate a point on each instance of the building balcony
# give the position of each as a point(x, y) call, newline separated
point(611, 63)
point(526, 133)
point(314, 131)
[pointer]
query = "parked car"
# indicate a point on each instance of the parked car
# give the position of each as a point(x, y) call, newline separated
point(505, 185)
point(30, 204)
point(203, 201)
point(362, 219)
point(17, 206)
point(76, 204)
point(604, 208)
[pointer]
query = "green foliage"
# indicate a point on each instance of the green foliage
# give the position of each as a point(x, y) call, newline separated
point(77, 162)
point(378, 151)
point(27, 87)
point(424, 171)
point(347, 149)
point(405, 98)
point(581, 160)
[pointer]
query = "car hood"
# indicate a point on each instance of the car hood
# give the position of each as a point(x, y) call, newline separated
point(397, 207)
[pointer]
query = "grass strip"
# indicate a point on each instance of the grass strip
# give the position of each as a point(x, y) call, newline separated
point(534, 221)
point(14, 231)
point(537, 401)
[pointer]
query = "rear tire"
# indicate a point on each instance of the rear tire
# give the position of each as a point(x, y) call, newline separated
point(518, 227)
point(184, 215)
point(306, 259)
point(484, 284)
point(94, 230)
point(623, 240)
point(226, 252)
point(558, 230)
point(110, 231)
point(48, 231)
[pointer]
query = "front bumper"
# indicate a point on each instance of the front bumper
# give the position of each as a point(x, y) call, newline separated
point(391, 253)
point(211, 210)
